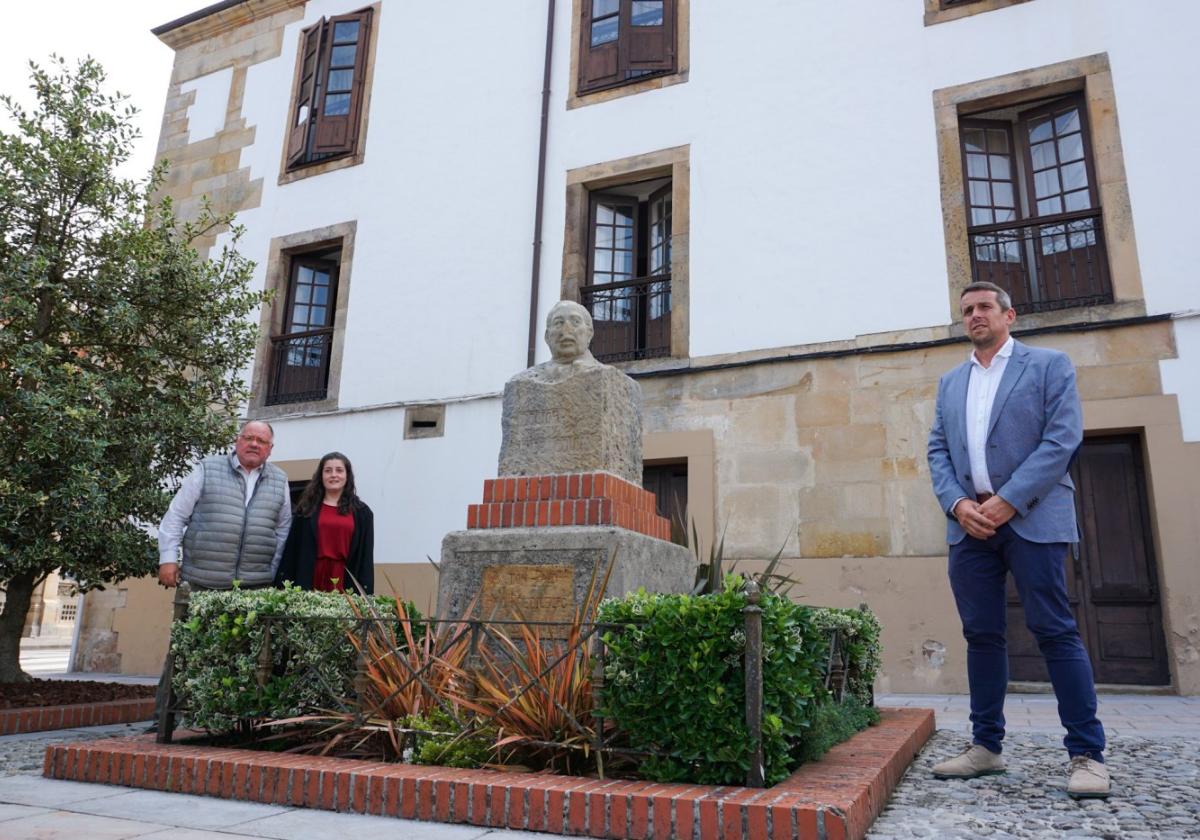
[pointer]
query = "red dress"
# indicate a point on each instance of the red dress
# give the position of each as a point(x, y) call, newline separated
point(334, 531)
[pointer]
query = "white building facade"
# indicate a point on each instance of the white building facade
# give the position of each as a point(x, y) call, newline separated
point(770, 209)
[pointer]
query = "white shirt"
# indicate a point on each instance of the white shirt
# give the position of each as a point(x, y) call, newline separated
point(981, 396)
point(170, 531)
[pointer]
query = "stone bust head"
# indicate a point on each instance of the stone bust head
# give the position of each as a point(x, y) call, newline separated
point(569, 332)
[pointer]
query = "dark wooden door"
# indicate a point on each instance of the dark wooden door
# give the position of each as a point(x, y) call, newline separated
point(1112, 578)
point(668, 483)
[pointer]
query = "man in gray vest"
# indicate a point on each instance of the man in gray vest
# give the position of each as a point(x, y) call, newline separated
point(231, 515)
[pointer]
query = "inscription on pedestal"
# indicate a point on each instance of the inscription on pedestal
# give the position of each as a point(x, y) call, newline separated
point(528, 593)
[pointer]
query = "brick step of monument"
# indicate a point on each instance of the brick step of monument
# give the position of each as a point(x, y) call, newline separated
point(597, 485)
point(558, 513)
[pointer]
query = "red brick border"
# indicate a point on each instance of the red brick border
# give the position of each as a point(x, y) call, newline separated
point(835, 798)
point(43, 718)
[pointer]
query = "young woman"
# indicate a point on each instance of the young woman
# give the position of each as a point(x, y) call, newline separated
point(332, 541)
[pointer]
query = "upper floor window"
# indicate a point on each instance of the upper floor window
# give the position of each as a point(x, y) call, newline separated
point(300, 353)
point(328, 97)
point(622, 41)
point(1034, 218)
point(629, 271)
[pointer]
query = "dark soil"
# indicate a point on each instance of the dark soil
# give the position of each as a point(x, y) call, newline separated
point(66, 692)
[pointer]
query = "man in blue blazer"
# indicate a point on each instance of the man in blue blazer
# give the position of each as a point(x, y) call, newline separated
point(1008, 422)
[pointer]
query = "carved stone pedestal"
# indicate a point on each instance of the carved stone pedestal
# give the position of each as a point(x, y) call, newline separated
point(542, 574)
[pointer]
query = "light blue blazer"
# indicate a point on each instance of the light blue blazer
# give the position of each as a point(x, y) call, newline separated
point(1036, 427)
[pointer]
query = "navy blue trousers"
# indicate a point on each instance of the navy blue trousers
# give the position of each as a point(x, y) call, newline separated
point(977, 576)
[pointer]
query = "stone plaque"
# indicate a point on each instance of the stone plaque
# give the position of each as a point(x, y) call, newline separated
point(528, 592)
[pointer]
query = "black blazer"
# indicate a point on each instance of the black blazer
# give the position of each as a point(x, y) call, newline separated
point(300, 552)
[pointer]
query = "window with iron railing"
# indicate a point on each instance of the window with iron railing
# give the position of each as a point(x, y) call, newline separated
point(629, 271)
point(1034, 218)
point(299, 358)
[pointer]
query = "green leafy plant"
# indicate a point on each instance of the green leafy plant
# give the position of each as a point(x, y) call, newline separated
point(830, 724)
point(218, 647)
point(441, 741)
point(122, 345)
point(674, 681)
point(860, 631)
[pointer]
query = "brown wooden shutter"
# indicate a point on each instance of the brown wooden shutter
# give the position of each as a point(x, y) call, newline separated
point(303, 110)
point(647, 48)
point(343, 68)
point(598, 66)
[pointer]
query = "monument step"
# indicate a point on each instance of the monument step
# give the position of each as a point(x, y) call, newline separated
point(594, 485)
point(564, 512)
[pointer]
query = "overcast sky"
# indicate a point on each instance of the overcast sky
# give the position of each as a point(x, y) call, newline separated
point(117, 34)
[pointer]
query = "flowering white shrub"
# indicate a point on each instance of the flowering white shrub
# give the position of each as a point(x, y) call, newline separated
point(218, 646)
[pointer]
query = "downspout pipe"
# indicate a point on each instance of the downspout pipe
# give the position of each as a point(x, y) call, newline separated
point(539, 199)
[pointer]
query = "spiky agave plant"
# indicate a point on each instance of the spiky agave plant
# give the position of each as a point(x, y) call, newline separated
point(535, 692)
point(404, 674)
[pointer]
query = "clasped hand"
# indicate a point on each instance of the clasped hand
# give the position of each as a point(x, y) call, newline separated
point(982, 520)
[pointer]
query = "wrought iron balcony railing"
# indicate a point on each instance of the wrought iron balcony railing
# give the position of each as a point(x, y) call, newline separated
point(1047, 263)
point(299, 369)
point(632, 319)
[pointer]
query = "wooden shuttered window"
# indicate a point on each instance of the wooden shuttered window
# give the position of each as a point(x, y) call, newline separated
point(624, 40)
point(1033, 213)
point(328, 99)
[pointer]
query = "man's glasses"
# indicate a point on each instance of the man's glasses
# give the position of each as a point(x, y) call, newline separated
point(255, 439)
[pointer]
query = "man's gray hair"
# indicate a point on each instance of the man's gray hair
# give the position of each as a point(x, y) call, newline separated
point(1002, 297)
point(270, 428)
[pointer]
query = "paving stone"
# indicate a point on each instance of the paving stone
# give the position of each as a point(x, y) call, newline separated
point(1154, 783)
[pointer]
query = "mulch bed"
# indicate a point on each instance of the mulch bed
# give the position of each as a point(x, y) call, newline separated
point(67, 692)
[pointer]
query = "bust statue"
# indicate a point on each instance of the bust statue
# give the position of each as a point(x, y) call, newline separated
point(571, 413)
point(569, 334)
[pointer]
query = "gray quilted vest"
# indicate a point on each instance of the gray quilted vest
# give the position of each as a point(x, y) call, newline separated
point(226, 539)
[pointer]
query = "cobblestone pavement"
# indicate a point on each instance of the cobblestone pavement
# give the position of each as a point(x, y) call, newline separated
point(1155, 793)
point(23, 754)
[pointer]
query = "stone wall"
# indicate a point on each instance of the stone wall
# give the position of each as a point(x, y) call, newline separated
point(826, 458)
point(210, 168)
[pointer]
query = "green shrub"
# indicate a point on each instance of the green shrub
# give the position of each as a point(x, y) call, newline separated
point(467, 752)
point(217, 651)
point(860, 635)
point(832, 723)
point(674, 681)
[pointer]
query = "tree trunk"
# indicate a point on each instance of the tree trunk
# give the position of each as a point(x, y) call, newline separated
point(18, 594)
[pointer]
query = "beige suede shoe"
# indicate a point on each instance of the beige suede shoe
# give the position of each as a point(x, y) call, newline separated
point(973, 761)
point(1088, 780)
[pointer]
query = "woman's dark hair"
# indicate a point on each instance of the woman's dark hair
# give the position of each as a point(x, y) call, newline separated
point(314, 492)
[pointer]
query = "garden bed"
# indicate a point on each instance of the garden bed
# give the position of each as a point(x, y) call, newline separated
point(836, 797)
point(42, 705)
point(25, 695)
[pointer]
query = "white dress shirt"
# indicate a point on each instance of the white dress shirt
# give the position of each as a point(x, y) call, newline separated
point(981, 396)
point(174, 523)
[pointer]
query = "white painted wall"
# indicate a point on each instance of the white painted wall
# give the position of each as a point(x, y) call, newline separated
point(206, 114)
point(815, 210)
point(418, 489)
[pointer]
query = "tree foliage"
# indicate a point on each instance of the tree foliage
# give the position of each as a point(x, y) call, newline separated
point(121, 347)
